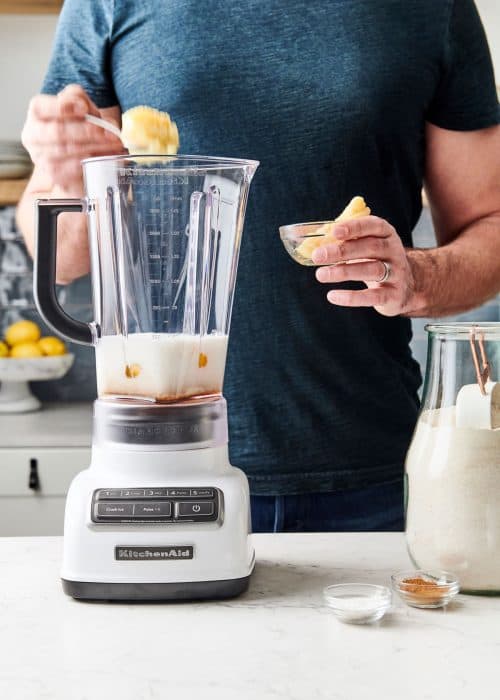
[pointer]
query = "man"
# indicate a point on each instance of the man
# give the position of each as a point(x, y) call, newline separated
point(339, 98)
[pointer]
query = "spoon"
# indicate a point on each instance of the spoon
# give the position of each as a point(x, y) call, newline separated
point(154, 129)
point(97, 121)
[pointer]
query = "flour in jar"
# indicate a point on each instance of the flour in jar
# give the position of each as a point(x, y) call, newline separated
point(161, 367)
point(453, 511)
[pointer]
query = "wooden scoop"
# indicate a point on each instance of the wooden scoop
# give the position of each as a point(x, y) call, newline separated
point(478, 405)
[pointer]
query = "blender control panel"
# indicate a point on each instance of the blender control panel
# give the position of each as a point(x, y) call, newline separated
point(156, 505)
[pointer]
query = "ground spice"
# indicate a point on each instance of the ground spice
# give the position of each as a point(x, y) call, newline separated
point(132, 371)
point(202, 360)
point(423, 590)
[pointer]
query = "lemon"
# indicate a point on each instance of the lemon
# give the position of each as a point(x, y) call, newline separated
point(22, 332)
point(50, 345)
point(4, 350)
point(25, 350)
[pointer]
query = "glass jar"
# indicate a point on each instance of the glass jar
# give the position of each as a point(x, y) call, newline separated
point(453, 464)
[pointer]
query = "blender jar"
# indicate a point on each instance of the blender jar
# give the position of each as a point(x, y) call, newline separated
point(164, 237)
point(453, 464)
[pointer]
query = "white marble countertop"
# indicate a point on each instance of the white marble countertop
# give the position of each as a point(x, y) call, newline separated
point(278, 642)
point(55, 425)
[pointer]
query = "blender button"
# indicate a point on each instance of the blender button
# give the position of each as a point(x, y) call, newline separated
point(156, 493)
point(102, 494)
point(195, 510)
point(178, 493)
point(132, 493)
point(201, 493)
point(115, 510)
point(152, 510)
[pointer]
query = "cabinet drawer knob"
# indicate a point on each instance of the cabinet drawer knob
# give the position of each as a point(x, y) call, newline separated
point(34, 479)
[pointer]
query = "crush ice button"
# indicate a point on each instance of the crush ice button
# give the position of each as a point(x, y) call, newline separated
point(115, 510)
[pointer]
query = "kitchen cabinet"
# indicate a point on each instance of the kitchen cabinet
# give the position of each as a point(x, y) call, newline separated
point(40, 453)
point(33, 486)
point(11, 191)
point(30, 7)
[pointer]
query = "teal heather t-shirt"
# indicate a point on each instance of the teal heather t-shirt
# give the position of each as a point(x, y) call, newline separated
point(332, 97)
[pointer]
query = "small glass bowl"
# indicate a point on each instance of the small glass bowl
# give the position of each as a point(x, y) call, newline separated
point(358, 603)
point(294, 234)
point(439, 589)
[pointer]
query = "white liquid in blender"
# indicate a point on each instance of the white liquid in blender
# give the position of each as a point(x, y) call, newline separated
point(161, 367)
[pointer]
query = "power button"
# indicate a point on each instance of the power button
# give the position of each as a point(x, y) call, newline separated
point(195, 509)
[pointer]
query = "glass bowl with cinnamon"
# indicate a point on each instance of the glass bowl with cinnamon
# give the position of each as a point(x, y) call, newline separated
point(425, 589)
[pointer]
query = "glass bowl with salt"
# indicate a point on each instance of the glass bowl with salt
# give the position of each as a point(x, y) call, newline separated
point(358, 603)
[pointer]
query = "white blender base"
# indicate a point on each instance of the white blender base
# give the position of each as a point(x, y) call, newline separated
point(222, 553)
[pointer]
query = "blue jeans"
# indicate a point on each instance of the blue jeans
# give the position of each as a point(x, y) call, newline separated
point(377, 509)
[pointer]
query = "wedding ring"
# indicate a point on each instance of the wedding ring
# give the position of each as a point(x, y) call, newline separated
point(387, 273)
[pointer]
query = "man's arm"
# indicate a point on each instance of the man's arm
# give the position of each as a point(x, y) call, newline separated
point(58, 138)
point(463, 187)
point(462, 182)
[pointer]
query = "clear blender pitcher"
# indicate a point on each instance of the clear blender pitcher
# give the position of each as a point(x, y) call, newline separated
point(164, 235)
point(453, 464)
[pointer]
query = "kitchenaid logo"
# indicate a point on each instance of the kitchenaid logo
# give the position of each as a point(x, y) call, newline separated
point(153, 553)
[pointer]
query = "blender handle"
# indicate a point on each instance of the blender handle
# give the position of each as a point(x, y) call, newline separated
point(44, 270)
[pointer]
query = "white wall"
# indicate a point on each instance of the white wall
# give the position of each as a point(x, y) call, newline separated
point(490, 14)
point(25, 43)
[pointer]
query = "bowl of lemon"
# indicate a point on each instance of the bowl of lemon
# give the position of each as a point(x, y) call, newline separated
point(26, 356)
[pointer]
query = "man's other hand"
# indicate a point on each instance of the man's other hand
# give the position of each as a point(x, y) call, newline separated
point(367, 250)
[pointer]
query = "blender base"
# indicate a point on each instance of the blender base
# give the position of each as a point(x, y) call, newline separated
point(160, 514)
point(137, 592)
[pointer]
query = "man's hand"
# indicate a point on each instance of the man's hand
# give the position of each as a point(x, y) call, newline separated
point(463, 271)
point(368, 250)
point(57, 136)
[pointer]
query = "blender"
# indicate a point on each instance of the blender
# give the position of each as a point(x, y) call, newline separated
point(160, 514)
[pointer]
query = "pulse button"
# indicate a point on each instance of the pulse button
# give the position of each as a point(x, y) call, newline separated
point(150, 509)
point(193, 509)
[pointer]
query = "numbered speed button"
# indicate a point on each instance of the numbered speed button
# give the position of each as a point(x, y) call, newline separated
point(195, 510)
